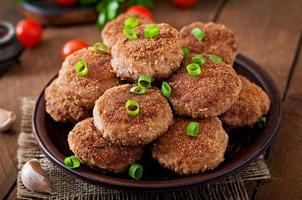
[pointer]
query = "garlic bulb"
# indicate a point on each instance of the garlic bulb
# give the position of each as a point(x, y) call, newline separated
point(34, 178)
point(7, 118)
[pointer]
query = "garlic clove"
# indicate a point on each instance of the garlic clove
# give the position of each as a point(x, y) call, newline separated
point(34, 178)
point(7, 118)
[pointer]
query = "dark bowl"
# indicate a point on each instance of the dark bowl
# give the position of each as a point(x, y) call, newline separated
point(245, 144)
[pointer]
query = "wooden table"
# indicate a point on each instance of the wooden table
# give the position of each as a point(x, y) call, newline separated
point(268, 31)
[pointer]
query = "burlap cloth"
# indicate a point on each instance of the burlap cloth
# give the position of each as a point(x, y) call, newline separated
point(66, 186)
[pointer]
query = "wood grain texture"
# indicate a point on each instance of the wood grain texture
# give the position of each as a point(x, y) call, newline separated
point(164, 11)
point(285, 159)
point(268, 32)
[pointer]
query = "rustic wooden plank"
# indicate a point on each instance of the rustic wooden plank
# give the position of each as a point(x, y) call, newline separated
point(285, 156)
point(164, 11)
point(8, 144)
point(13, 194)
point(268, 32)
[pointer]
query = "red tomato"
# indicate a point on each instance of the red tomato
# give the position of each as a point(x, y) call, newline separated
point(185, 3)
point(29, 32)
point(66, 2)
point(72, 46)
point(141, 10)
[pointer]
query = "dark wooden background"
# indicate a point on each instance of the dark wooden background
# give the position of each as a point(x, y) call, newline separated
point(269, 32)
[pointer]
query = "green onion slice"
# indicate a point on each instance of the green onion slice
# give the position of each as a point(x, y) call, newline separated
point(144, 81)
point(192, 129)
point(81, 68)
point(132, 107)
point(100, 47)
point(113, 8)
point(131, 23)
point(72, 162)
point(151, 32)
point(129, 33)
point(166, 89)
point(198, 33)
point(186, 52)
point(193, 69)
point(138, 89)
point(261, 122)
point(215, 58)
point(198, 59)
point(136, 171)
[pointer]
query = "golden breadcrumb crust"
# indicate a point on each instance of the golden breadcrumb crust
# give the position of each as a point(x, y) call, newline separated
point(186, 154)
point(252, 103)
point(209, 94)
point(88, 144)
point(218, 40)
point(111, 117)
point(157, 57)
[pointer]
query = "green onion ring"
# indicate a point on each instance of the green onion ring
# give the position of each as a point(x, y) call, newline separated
point(193, 69)
point(186, 52)
point(129, 105)
point(136, 171)
point(215, 58)
point(129, 33)
point(131, 23)
point(192, 129)
point(144, 81)
point(100, 47)
point(72, 162)
point(262, 121)
point(81, 68)
point(198, 59)
point(166, 89)
point(198, 33)
point(138, 89)
point(151, 32)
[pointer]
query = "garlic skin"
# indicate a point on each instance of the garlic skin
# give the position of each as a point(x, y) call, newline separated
point(7, 118)
point(34, 178)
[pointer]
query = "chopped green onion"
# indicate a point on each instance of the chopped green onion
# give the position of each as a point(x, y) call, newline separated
point(131, 22)
point(166, 89)
point(193, 69)
point(186, 52)
point(138, 89)
point(129, 33)
point(261, 122)
point(198, 33)
point(113, 8)
point(102, 19)
point(72, 162)
point(136, 171)
point(215, 58)
point(192, 129)
point(144, 81)
point(100, 47)
point(198, 59)
point(132, 107)
point(81, 68)
point(151, 32)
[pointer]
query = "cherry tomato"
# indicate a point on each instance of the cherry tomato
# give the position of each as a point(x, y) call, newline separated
point(141, 10)
point(185, 3)
point(66, 2)
point(72, 46)
point(29, 32)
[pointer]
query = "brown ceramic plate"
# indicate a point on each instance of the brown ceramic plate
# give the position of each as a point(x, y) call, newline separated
point(245, 144)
